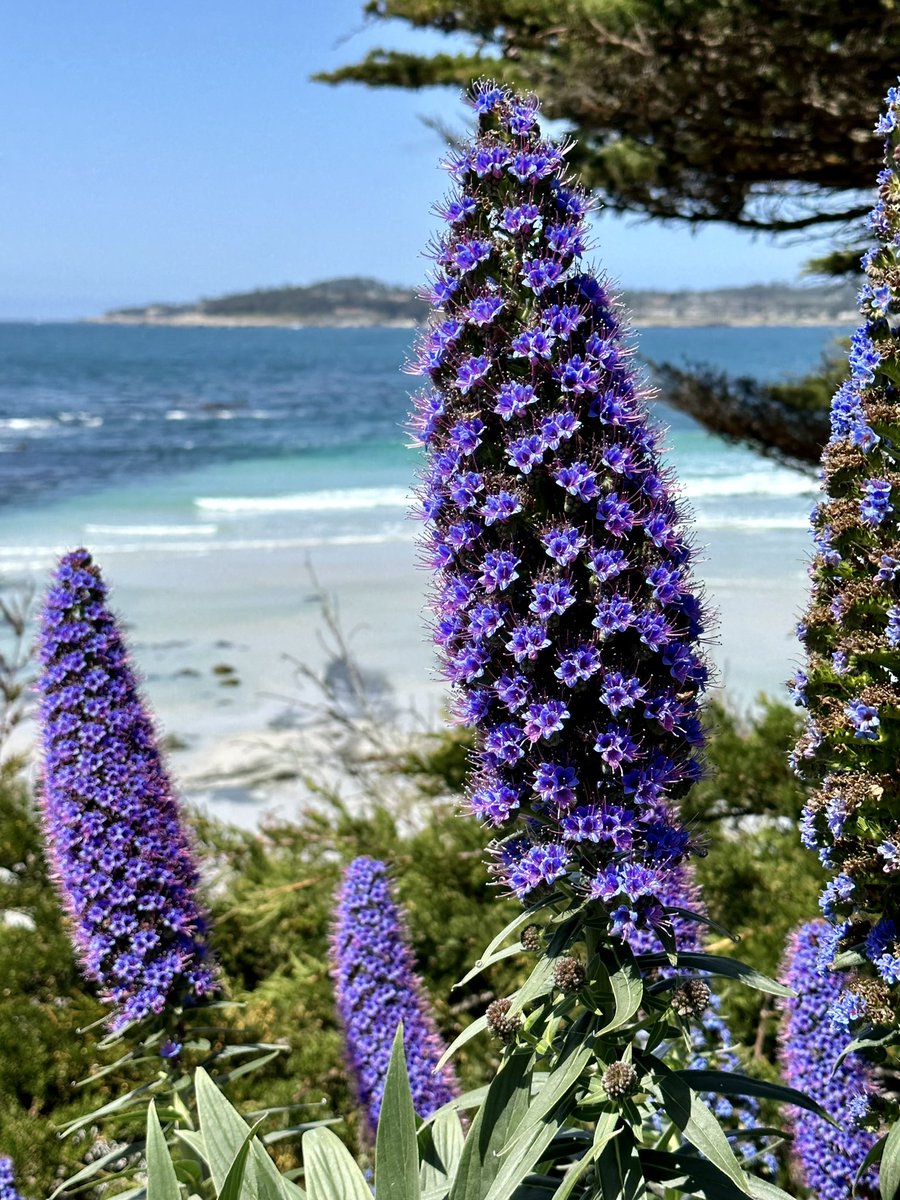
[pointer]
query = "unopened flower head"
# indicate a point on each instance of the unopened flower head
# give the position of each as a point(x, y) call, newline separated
point(565, 612)
point(827, 1158)
point(117, 845)
point(377, 988)
point(850, 683)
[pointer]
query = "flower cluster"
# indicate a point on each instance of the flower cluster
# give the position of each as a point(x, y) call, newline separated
point(851, 681)
point(118, 850)
point(565, 612)
point(826, 1157)
point(377, 988)
point(8, 1190)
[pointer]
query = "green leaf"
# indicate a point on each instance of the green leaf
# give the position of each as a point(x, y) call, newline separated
point(688, 914)
point(441, 1145)
point(504, 1107)
point(866, 1043)
point(685, 1108)
point(561, 1081)
point(527, 1151)
point(604, 1131)
point(620, 1170)
point(117, 1105)
point(874, 1156)
point(733, 1083)
point(889, 1176)
point(255, 1064)
point(626, 986)
point(847, 959)
point(449, 1141)
point(224, 1132)
point(489, 960)
point(522, 919)
point(478, 1026)
point(162, 1182)
point(396, 1148)
point(538, 984)
point(761, 1189)
point(194, 1140)
point(458, 1104)
point(232, 1189)
point(331, 1173)
point(717, 964)
point(546, 1115)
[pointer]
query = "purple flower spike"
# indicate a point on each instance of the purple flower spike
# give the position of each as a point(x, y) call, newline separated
point(8, 1190)
point(377, 988)
point(118, 850)
point(580, 546)
point(826, 1158)
point(850, 682)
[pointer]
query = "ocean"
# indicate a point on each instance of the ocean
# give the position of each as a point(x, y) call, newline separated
point(228, 479)
point(198, 440)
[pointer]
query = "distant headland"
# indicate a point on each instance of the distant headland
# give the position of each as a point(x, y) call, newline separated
point(361, 302)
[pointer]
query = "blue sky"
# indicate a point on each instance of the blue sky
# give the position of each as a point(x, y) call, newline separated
point(171, 150)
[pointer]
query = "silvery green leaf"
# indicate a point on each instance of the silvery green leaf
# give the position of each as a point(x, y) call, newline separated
point(162, 1183)
point(331, 1173)
point(396, 1147)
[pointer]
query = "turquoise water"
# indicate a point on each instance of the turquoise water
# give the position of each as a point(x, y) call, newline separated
point(228, 479)
point(191, 440)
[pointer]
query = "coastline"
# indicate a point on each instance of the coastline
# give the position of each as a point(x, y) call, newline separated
point(198, 320)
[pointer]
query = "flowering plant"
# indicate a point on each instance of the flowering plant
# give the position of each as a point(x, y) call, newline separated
point(376, 990)
point(827, 1157)
point(569, 625)
point(851, 632)
point(565, 612)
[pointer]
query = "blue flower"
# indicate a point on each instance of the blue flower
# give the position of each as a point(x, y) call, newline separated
point(826, 1158)
point(875, 504)
point(864, 719)
point(118, 849)
point(8, 1190)
point(565, 616)
point(377, 988)
point(852, 627)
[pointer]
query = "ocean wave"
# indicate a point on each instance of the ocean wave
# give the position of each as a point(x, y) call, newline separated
point(751, 483)
point(720, 521)
point(154, 530)
point(24, 424)
point(37, 557)
point(86, 419)
point(328, 500)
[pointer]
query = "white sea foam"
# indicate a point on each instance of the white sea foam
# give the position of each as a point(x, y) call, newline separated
point(751, 524)
point(23, 424)
point(88, 420)
point(329, 500)
point(777, 483)
point(37, 557)
point(153, 531)
point(177, 414)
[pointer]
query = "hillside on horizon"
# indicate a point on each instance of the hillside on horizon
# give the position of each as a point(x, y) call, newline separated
point(358, 301)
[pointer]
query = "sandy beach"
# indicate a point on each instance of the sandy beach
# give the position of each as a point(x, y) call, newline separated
point(220, 638)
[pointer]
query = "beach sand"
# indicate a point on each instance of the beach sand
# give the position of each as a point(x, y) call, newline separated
point(219, 640)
